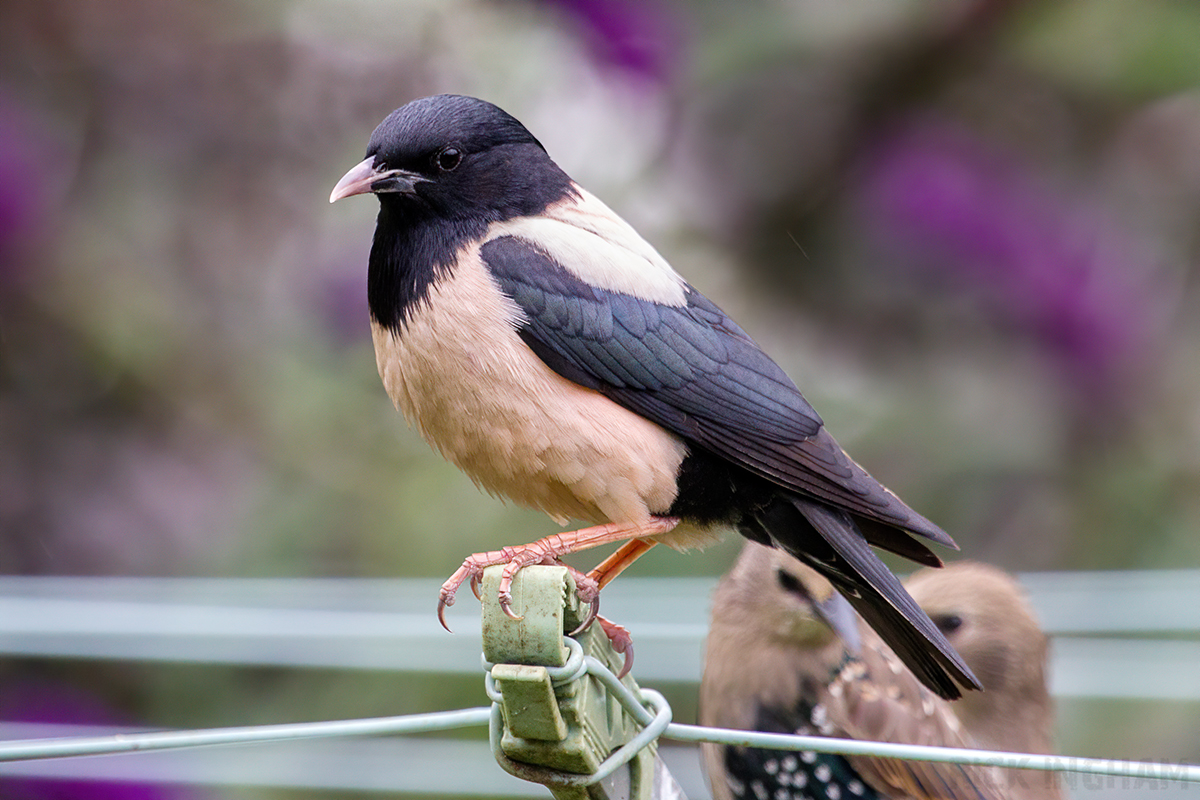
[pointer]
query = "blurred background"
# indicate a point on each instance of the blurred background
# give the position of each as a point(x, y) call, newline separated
point(967, 229)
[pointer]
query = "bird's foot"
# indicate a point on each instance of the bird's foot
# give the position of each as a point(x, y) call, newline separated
point(621, 641)
point(588, 590)
point(540, 552)
point(548, 551)
point(473, 566)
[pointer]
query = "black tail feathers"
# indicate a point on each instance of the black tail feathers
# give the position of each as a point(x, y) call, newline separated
point(829, 540)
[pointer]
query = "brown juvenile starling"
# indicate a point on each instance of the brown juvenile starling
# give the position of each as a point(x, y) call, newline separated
point(985, 614)
point(787, 654)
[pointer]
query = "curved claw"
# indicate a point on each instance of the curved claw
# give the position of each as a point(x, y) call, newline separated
point(593, 612)
point(450, 588)
point(476, 585)
point(442, 603)
point(588, 591)
point(621, 641)
point(628, 663)
point(506, 606)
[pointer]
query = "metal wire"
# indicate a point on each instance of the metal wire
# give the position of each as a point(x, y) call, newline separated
point(913, 752)
point(168, 740)
point(423, 723)
point(655, 724)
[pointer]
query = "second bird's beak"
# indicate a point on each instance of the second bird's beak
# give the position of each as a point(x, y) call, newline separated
point(364, 178)
point(839, 615)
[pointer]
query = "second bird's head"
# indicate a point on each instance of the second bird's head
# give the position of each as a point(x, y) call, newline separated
point(791, 603)
point(455, 158)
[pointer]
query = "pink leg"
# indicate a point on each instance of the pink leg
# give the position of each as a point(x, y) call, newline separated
point(618, 562)
point(601, 576)
point(545, 551)
point(589, 585)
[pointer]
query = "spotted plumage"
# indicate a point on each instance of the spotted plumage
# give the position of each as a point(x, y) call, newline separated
point(752, 773)
point(786, 654)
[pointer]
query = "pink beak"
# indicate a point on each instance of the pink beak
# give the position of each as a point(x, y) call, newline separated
point(366, 177)
point(357, 181)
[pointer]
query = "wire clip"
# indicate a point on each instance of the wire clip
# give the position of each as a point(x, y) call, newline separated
point(560, 716)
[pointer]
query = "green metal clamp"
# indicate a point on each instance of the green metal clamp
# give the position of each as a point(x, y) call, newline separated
point(560, 715)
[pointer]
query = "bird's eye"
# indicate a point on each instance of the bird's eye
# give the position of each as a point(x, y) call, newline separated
point(790, 583)
point(948, 623)
point(447, 159)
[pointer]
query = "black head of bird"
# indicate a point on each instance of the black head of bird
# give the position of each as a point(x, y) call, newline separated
point(545, 348)
point(455, 158)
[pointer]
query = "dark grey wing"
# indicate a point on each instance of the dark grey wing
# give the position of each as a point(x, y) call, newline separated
point(681, 365)
point(691, 369)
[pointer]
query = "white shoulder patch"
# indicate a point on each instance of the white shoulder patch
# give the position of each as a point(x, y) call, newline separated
point(588, 239)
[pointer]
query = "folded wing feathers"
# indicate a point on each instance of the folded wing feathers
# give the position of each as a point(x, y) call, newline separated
point(878, 701)
point(693, 370)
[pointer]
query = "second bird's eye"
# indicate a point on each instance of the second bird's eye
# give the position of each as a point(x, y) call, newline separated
point(790, 583)
point(447, 158)
point(948, 623)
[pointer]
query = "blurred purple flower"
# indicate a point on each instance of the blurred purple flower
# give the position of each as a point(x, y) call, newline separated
point(641, 37)
point(341, 301)
point(22, 193)
point(58, 703)
point(1046, 262)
